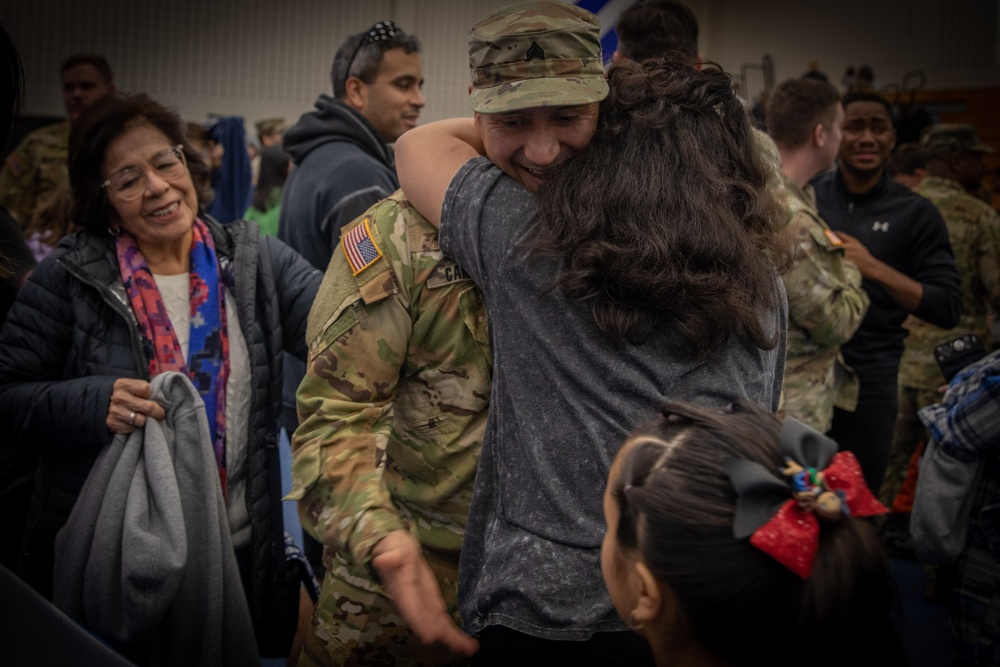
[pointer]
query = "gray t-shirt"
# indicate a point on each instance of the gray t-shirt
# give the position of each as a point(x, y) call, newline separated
point(564, 399)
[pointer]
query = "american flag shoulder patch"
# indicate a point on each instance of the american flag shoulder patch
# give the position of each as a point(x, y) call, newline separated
point(360, 247)
point(833, 239)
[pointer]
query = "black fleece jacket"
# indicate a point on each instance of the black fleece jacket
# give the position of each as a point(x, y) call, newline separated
point(341, 168)
point(906, 231)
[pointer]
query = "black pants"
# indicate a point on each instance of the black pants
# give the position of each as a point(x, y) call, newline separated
point(502, 647)
point(868, 430)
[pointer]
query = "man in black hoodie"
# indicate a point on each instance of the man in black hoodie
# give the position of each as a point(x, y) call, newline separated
point(342, 161)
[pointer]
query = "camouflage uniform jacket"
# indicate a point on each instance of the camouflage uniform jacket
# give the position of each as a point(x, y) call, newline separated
point(825, 306)
point(34, 170)
point(974, 232)
point(392, 408)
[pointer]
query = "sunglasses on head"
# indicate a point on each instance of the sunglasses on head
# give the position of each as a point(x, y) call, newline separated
point(380, 32)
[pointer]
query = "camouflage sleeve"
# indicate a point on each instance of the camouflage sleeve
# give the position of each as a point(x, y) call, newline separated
point(989, 258)
point(824, 290)
point(17, 179)
point(345, 406)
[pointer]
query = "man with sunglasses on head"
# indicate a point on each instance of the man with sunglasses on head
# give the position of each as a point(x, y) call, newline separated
point(342, 160)
point(393, 402)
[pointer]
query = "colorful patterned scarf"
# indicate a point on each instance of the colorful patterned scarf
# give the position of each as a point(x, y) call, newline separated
point(208, 348)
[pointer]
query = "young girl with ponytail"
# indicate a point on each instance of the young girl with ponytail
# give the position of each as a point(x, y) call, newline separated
point(737, 539)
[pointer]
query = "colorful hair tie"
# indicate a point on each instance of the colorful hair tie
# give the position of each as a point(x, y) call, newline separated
point(823, 484)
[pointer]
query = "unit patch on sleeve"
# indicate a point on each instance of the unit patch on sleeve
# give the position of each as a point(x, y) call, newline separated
point(833, 239)
point(360, 248)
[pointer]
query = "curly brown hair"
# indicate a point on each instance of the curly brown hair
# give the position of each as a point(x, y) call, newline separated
point(670, 216)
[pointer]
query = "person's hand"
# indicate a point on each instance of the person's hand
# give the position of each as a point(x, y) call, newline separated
point(857, 253)
point(410, 584)
point(130, 406)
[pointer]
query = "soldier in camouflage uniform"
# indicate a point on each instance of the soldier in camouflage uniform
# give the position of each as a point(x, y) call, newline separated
point(392, 414)
point(953, 156)
point(37, 167)
point(825, 300)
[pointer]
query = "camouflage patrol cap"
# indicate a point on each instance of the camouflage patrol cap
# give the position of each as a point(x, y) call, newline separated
point(945, 138)
point(269, 125)
point(536, 54)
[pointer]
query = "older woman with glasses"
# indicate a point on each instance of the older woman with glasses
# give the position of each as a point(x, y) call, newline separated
point(151, 284)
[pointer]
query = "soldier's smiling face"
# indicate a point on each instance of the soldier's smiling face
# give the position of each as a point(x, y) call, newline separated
point(528, 143)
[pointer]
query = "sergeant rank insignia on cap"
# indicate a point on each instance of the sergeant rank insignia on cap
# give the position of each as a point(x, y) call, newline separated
point(360, 248)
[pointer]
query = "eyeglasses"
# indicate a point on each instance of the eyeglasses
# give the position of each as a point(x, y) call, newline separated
point(130, 182)
point(380, 32)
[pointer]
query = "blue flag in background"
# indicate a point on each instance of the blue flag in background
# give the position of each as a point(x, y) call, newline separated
point(607, 11)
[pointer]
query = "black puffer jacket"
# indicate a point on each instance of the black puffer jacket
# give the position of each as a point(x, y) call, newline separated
point(71, 334)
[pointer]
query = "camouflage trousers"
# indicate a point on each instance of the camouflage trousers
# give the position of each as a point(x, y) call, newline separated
point(908, 433)
point(354, 623)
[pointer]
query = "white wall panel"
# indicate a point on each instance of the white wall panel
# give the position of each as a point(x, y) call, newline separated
point(258, 58)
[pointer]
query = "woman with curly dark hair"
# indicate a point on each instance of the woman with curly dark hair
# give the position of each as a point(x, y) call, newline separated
point(642, 269)
point(666, 219)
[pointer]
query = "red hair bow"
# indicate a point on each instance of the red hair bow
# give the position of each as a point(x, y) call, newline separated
point(787, 528)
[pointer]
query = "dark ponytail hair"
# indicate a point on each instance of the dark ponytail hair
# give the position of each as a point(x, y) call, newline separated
point(676, 510)
point(670, 216)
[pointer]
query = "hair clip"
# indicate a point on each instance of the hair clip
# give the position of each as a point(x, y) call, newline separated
point(811, 492)
point(823, 484)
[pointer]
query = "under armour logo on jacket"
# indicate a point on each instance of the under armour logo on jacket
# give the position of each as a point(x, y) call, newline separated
point(535, 51)
point(880, 226)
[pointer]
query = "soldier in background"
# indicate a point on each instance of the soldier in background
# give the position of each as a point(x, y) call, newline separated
point(907, 165)
point(37, 167)
point(825, 301)
point(270, 130)
point(954, 161)
point(393, 412)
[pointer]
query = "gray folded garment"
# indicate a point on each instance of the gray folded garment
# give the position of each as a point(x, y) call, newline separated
point(146, 555)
